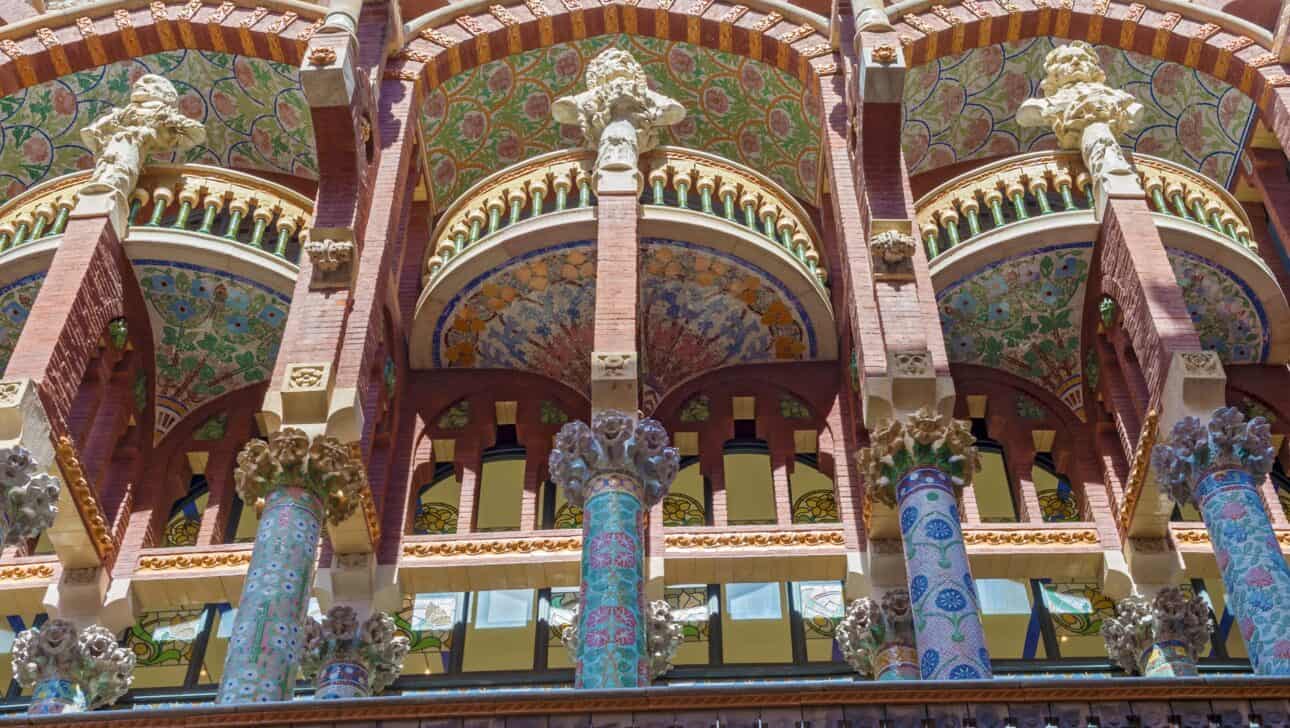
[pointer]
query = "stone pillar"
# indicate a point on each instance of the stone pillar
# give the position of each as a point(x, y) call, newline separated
point(70, 670)
point(300, 483)
point(616, 469)
point(1158, 637)
point(663, 636)
point(1219, 468)
point(28, 497)
point(349, 660)
point(919, 466)
point(877, 639)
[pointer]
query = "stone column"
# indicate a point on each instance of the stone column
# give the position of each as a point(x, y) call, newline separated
point(919, 466)
point(300, 483)
point(70, 670)
point(1218, 468)
point(877, 639)
point(616, 469)
point(349, 660)
point(28, 497)
point(1158, 637)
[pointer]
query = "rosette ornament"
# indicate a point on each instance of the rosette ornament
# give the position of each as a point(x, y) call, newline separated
point(1218, 466)
point(70, 670)
point(30, 497)
point(1158, 637)
point(877, 638)
point(662, 632)
point(346, 659)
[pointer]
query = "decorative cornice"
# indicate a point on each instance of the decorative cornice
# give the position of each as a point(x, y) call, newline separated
point(786, 539)
point(188, 562)
point(87, 503)
point(26, 572)
point(1035, 537)
point(1139, 469)
point(494, 547)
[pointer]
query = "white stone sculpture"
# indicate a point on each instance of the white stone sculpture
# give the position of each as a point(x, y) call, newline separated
point(1087, 114)
point(618, 113)
point(122, 140)
point(341, 638)
point(89, 658)
point(1171, 616)
point(663, 636)
point(28, 497)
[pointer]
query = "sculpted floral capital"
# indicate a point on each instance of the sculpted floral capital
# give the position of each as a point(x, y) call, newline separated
point(90, 658)
point(1228, 442)
point(325, 466)
point(28, 497)
point(924, 439)
point(1171, 616)
point(869, 626)
point(340, 637)
point(615, 442)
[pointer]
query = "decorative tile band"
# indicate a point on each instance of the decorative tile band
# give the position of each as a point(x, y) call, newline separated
point(187, 562)
point(754, 540)
point(497, 547)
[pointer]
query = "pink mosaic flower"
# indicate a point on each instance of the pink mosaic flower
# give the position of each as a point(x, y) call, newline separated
point(64, 101)
point(1166, 79)
point(680, 61)
point(224, 104)
point(568, 63)
point(1017, 88)
point(780, 124)
point(472, 125)
point(508, 148)
point(436, 105)
point(1190, 132)
point(192, 106)
point(749, 144)
point(537, 106)
point(263, 144)
point(245, 76)
point(685, 128)
point(1234, 511)
point(1247, 628)
point(36, 150)
point(750, 79)
point(288, 116)
point(445, 172)
point(978, 128)
point(1258, 577)
point(1281, 649)
point(716, 101)
point(500, 82)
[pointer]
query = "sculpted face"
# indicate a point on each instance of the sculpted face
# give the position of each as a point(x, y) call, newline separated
point(154, 88)
point(611, 64)
point(1072, 63)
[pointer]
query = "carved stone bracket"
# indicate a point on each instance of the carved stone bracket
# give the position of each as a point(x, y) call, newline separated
point(341, 638)
point(28, 497)
point(325, 466)
point(663, 636)
point(332, 260)
point(615, 442)
point(615, 382)
point(1227, 442)
point(1171, 616)
point(924, 439)
point(892, 252)
point(88, 658)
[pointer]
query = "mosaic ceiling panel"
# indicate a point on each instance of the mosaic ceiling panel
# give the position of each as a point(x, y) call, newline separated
point(964, 107)
point(214, 332)
point(1227, 315)
point(701, 309)
point(16, 299)
point(255, 113)
point(497, 114)
point(1023, 315)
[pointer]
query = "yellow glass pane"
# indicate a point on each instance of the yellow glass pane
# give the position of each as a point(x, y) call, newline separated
point(1217, 597)
point(689, 605)
point(501, 496)
point(684, 504)
point(1057, 500)
point(812, 495)
point(754, 624)
point(750, 490)
point(1006, 605)
point(1077, 610)
point(993, 494)
point(437, 507)
point(162, 643)
point(427, 620)
point(500, 633)
point(559, 614)
point(822, 608)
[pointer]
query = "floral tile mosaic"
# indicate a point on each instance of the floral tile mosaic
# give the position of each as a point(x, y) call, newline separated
point(1227, 315)
point(214, 332)
point(964, 107)
point(255, 114)
point(16, 299)
point(1023, 315)
point(497, 114)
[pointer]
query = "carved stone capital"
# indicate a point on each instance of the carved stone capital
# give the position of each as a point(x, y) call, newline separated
point(1170, 616)
point(663, 636)
point(924, 439)
point(340, 637)
point(1228, 442)
point(615, 442)
point(870, 626)
point(332, 260)
point(89, 658)
point(328, 468)
point(28, 497)
point(892, 252)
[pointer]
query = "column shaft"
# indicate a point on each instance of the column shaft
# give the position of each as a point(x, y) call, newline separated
point(611, 646)
point(1167, 658)
point(947, 621)
point(263, 652)
point(1254, 571)
point(342, 679)
point(55, 696)
point(896, 661)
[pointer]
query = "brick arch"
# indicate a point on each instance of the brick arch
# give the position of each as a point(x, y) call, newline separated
point(1225, 52)
point(46, 47)
point(445, 44)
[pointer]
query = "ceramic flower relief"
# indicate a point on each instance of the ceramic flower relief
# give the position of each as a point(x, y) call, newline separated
point(214, 332)
point(1023, 315)
point(1226, 318)
point(255, 114)
point(535, 314)
point(16, 299)
point(964, 107)
point(702, 310)
point(502, 110)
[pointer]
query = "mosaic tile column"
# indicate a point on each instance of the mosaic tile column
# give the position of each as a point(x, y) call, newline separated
point(301, 483)
point(1218, 468)
point(70, 670)
point(351, 660)
point(1158, 637)
point(919, 466)
point(28, 497)
point(615, 469)
point(877, 638)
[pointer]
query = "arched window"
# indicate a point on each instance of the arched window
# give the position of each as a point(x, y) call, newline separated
point(750, 484)
point(1058, 501)
point(186, 514)
point(812, 492)
point(995, 499)
point(437, 503)
point(688, 501)
point(501, 485)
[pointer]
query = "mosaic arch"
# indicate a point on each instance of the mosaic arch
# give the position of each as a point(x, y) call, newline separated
point(16, 299)
point(214, 332)
point(738, 108)
point(1023, 315)
point(701, 309)
point(254, 110)
point(963, 107)
point(1227, 315)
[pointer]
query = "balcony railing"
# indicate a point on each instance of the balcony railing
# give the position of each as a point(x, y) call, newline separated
point(194, 198)
point(675, 177)
point(1042, 183)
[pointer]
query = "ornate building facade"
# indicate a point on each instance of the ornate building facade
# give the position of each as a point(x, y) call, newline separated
point(644, 362)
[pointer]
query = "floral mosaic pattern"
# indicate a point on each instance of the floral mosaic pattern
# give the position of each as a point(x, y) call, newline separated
point(16, 299)
point(214, 331)
point(499, 113)
point(816, 506)
point(1023, 315)
point(1228, 317)
point(964, 107)
point(255, 114)
point(612, 652)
